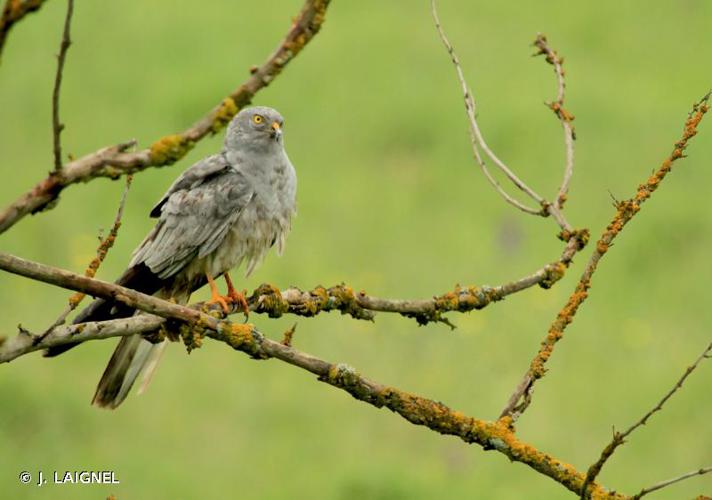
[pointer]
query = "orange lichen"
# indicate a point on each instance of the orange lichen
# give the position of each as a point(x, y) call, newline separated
point(625, 211)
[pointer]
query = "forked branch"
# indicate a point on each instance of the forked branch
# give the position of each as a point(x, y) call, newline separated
point(625, 211)
point(498, 435)
point(481, 150)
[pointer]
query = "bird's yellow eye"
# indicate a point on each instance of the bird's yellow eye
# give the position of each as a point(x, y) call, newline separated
point(258, 119)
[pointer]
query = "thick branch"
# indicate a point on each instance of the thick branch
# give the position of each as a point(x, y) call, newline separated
point(114, 161)
point(626, 210)
point(498, 435)
point(14, 11)
point(619, 437)
point(269, 300)
point(57, 126)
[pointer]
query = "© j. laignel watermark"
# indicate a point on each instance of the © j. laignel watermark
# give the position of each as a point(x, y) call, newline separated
point(69, 477)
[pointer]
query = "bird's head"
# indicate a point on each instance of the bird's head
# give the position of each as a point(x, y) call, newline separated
point(258, 128)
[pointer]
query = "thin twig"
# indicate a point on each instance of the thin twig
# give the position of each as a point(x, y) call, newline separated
point(626, 210)
point(114, 161)
point(476, 136)
point(14, 11)
point(498, 435)
point(57, 126)
point(619, 437)
point(668, 482)
point(102, 250)
point(564, 116)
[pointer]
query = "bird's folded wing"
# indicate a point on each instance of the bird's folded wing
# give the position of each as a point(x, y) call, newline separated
point(195, 216)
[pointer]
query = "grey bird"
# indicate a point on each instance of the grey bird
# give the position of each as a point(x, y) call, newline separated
point(226, 209)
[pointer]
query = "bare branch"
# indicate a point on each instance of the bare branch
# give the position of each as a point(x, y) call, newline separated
point(102, 251)
point(476, 136)
point(114, 161)
point(14, 11)
point(478, 142)
point(626, 210)
point(663, 484)
point(619, 437)
point(564, 116)
point(498, 435)
point(57, 126)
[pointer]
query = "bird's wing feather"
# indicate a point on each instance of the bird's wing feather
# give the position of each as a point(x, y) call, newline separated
point(195, 215)
point(196, 174)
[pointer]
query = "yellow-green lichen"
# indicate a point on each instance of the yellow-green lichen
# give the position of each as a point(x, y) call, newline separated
point(169, 149)
point(227, 110)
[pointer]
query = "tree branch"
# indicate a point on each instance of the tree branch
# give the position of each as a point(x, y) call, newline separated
point(663, 484)
point(57, 126)
point(13, 12)
point(619, 437)
point(625, 211)
point(102, 251)
point(564, 116)
point(114, 161)
point(498, 435)
point(269, 300)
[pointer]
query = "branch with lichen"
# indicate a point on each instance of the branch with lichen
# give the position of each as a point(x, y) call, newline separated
point(498, 435)
point(625, 211)
point(114, 161)
point(12, 13)
point(269, 300)
point(481, 150)
point(619, 437)
point(105, 244)
point(557, 106)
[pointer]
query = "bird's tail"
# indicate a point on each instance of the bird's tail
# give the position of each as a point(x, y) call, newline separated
point(132, 356)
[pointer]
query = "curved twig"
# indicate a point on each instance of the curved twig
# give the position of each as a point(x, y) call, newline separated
point(562, 114)
point(114, 161)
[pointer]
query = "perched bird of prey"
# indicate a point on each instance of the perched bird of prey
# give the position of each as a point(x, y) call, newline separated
point(227, 209)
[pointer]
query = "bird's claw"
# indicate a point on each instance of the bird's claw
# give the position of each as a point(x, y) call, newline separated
point(219, 299)
point(240, 299)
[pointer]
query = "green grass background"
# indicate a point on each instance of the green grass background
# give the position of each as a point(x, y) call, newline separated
point(391, 202)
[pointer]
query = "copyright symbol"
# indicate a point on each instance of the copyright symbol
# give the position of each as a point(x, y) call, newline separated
point(25, 477)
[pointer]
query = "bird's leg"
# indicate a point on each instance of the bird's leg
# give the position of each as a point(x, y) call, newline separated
point(215, 297)
point(236, 297)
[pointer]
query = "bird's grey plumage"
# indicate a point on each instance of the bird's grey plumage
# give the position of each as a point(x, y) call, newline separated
point(225, 209)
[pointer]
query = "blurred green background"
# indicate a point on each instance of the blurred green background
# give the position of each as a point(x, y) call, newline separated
point(391, 202)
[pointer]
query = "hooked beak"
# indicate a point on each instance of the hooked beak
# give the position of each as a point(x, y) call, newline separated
point(276, 130)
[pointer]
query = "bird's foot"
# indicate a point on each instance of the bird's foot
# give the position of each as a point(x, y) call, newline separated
point(239, 299)
point(216, 298)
